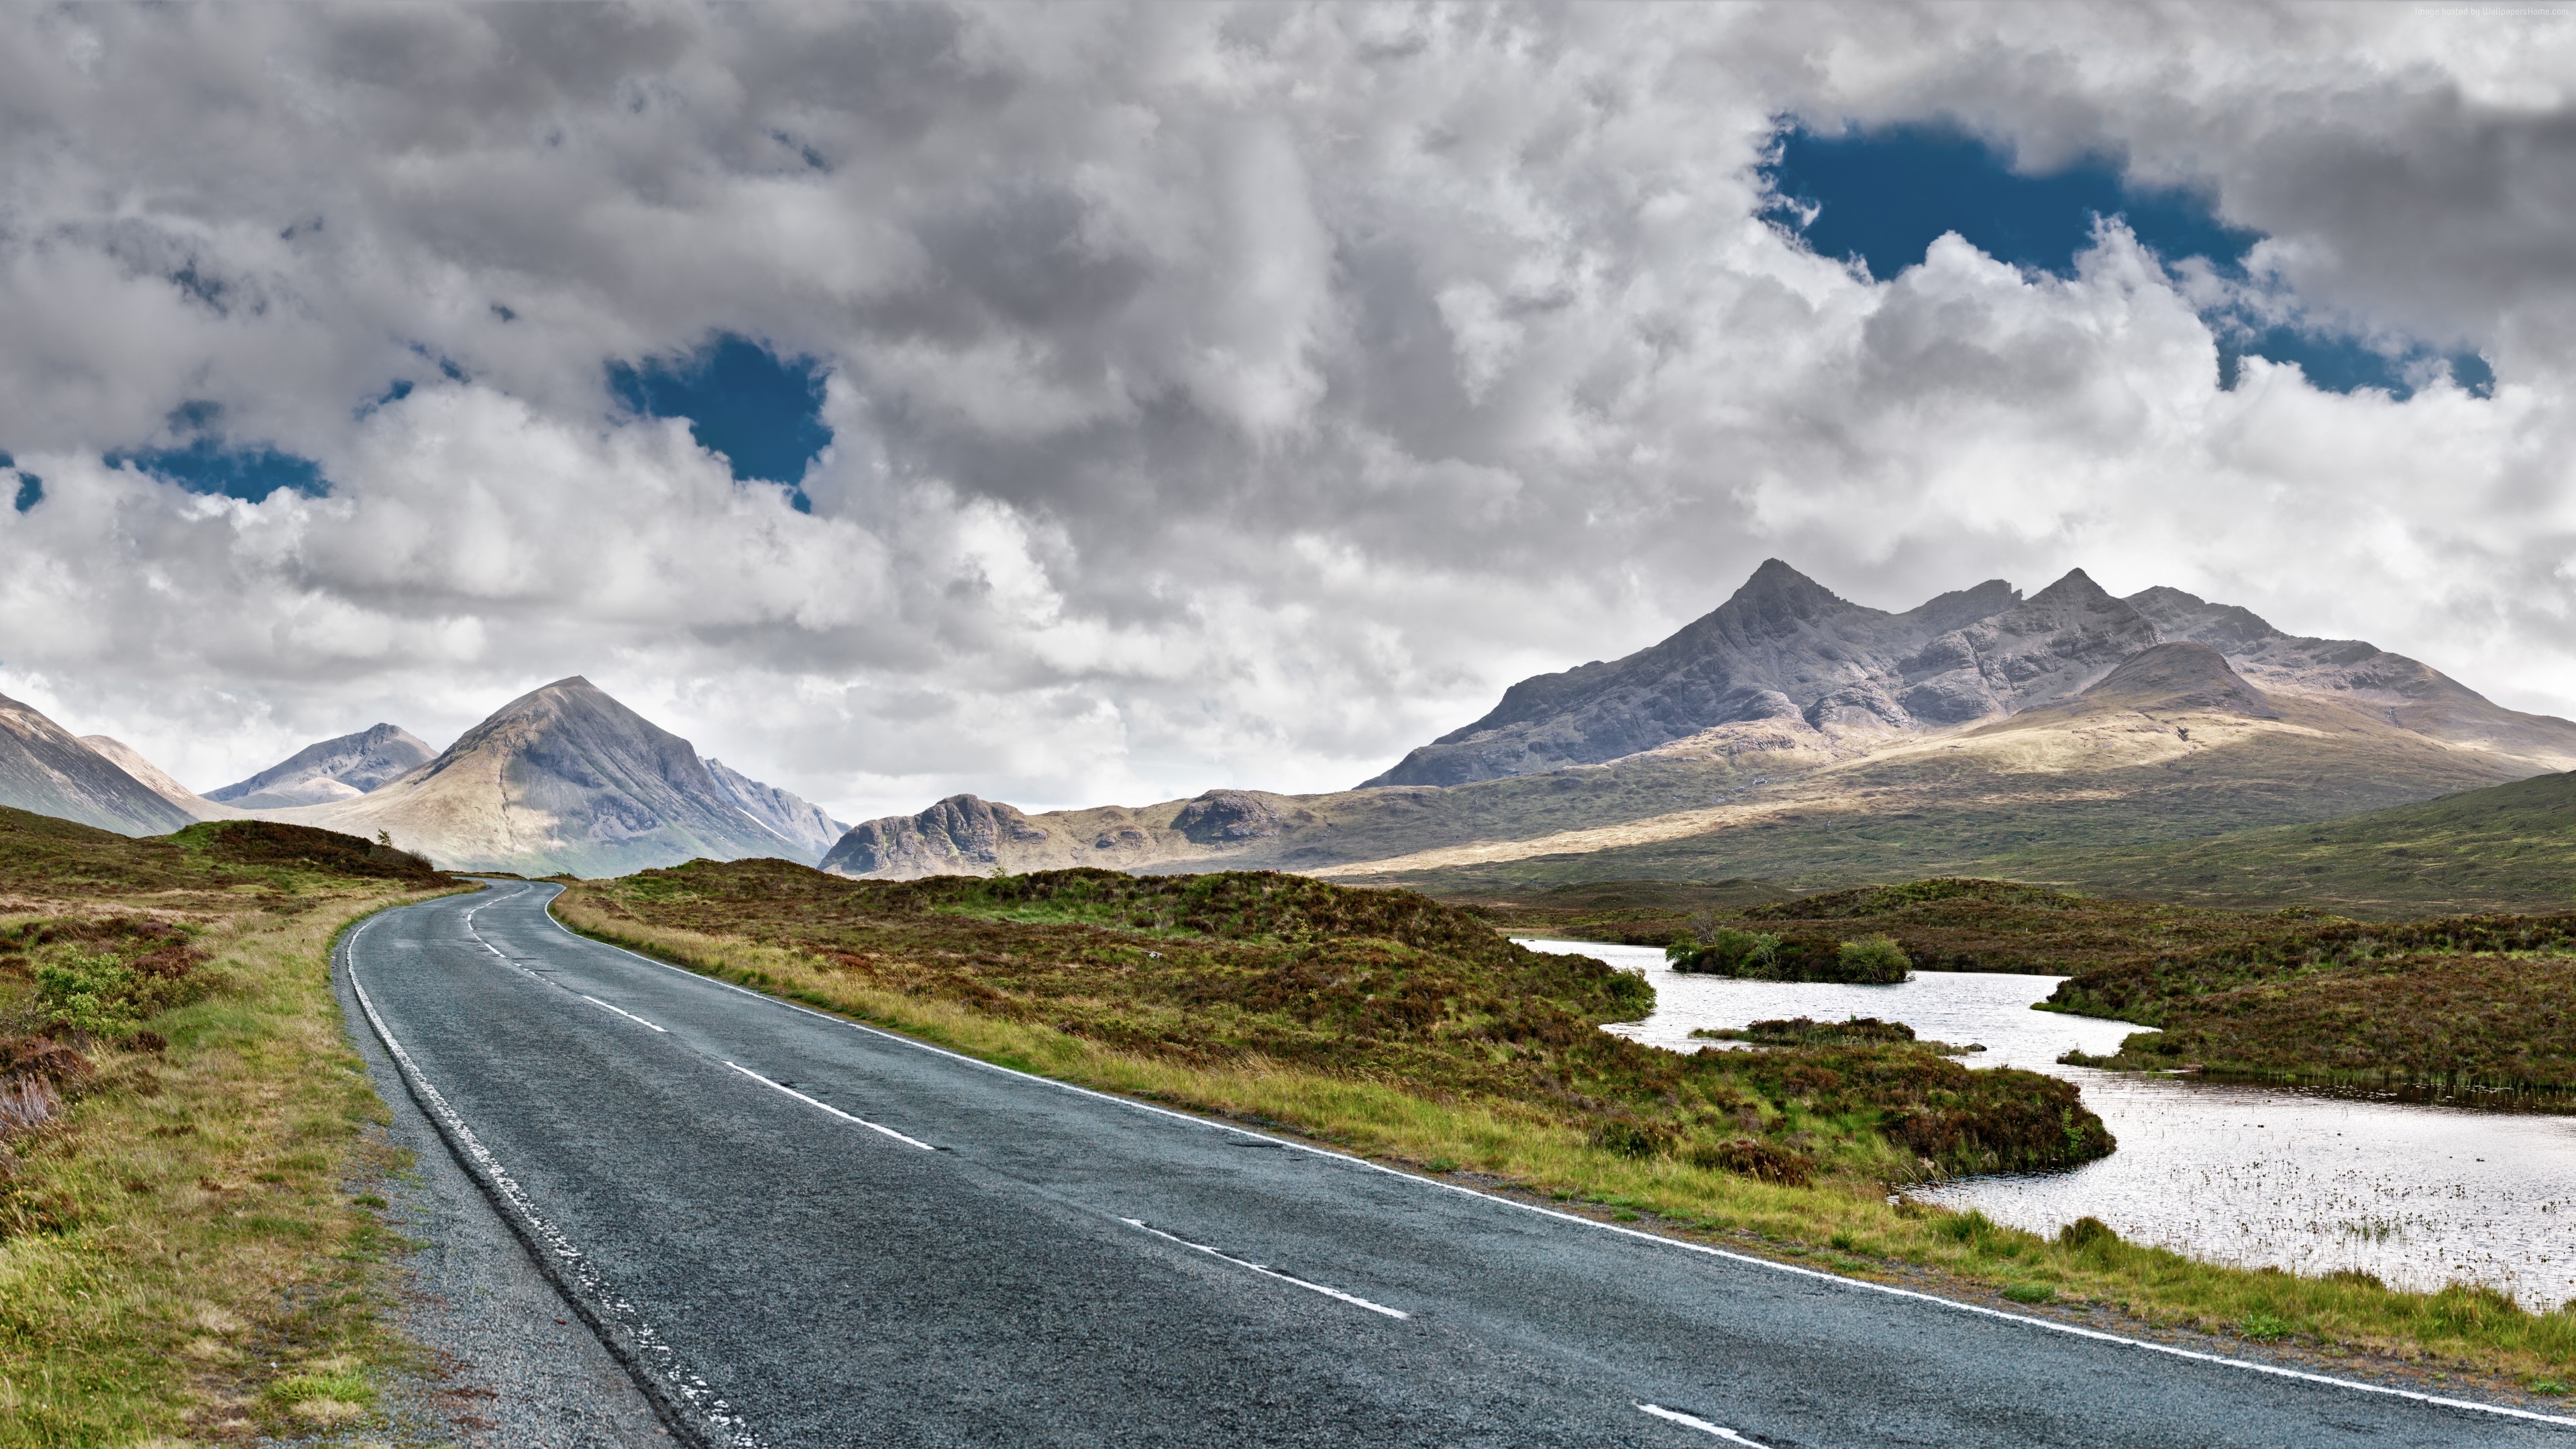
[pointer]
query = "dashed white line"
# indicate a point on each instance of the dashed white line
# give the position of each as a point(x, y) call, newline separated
point(1857, 1285)
point(621, 1011)
point(1693, 1421)
point(1352, 1299)
point(825, 1106)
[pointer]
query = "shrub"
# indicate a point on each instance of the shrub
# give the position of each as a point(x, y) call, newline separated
point(91, 994)
point(1632, 1139)
point(1754, 1158)
point(1726, 951)
point(1874, 960)
point(2086, 1233)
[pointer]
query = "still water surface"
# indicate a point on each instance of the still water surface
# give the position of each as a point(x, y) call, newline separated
point(2254, 1176)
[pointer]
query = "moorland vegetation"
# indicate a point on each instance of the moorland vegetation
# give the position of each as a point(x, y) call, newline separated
point(183, 1251)
point(1262, 970)
point(1370, 1020)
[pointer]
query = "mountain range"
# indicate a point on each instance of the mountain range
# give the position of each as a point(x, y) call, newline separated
point(1789, 734)
point(1795, 735)
point(563, 778)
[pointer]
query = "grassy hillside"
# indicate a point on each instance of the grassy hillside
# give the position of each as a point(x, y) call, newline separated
point(179, 1117)
point(2029, 799)
point(2507, 848)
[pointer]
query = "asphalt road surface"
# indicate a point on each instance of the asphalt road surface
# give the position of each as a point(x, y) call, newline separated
point(798, 1231)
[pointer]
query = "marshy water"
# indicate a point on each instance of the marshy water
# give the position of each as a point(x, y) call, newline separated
point(2310, 1182)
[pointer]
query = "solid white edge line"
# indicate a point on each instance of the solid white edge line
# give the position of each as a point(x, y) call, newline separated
point(1693, 1421)
point(828, 1107)
point(1353, 1299)
point(621, 1011)
point(1747, 1259)
point(692, 1392)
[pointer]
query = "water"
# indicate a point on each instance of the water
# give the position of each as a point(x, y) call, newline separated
point(2418, 1195)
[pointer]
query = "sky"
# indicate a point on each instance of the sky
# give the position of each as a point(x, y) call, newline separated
point(1087, 404)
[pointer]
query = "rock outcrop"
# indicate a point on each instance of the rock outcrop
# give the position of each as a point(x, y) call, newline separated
point(335, 769)
point(961, 835)
point(43, 768)
point(1228, 817)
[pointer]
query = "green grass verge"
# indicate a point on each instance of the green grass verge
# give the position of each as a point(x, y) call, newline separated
point(180, 1254)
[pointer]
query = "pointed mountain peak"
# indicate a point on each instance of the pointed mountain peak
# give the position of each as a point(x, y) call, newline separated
point(1776, 578)
point(2076, 587)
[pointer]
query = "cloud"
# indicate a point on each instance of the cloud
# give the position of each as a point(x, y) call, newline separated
point(1215, 395)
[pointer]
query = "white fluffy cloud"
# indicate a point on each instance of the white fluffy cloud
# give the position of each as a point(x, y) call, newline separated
point(1219, 395)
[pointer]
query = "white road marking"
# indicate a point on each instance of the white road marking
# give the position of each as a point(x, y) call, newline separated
point(826, 1106)
point(1861, 1285)
point(649, 1355)
point(1690, 1421)
point(1353, 1299)
point(621, 1011)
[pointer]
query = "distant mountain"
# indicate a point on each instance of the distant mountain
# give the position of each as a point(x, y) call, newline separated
point(335, 769)
point(562, 779)
point(805, 827)
point(1785, 652)
point(125, 757)
point(45, 770)
point(1795, 736)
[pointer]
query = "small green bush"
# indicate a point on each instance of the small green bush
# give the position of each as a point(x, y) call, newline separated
point(2086, 1233)
point(2030, 1293)
point(1875, 960)
point(88, 993)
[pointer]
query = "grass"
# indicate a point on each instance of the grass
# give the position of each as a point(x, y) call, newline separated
point(2510, 848)
point(180, 1256)
point(786, 937)
point(2472, 1007)
point(1242, 967)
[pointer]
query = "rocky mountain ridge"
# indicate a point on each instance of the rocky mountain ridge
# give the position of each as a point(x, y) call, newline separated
point(1789, 699)
point(333, 769)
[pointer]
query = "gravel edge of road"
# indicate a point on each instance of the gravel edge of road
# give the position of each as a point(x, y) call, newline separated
point(513, 1362)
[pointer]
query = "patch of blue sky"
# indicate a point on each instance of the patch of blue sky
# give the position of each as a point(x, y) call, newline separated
point(1883, 197)
point(208, 462)
point(761, 411)
point(31, 489)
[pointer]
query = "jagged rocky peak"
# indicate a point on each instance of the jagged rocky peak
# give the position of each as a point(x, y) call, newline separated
point(334, 769)
point(961, 835)
point(2050, 645)
point(1782, 648)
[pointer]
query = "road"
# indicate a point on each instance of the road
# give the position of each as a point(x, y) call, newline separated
point(802, 1232)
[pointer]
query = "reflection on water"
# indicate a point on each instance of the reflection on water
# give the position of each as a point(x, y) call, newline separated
point(2418, 1195)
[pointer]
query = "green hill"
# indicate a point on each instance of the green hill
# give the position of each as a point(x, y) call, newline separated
point(2508, 848)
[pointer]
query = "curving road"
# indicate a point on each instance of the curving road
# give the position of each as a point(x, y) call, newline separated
point(801, 1232)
